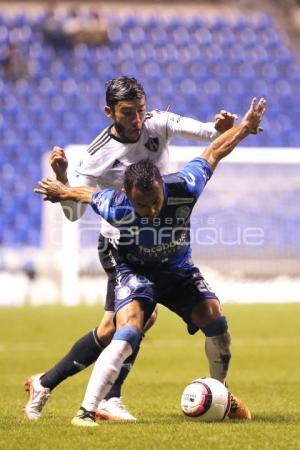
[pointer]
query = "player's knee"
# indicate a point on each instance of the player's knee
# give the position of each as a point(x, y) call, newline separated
point(217, 327)
point(151, 321)
point(206, 312)
point(106, 329)
point(218, 339)
point(129, 334)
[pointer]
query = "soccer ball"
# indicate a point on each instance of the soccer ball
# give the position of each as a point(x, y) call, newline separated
point(206, 399)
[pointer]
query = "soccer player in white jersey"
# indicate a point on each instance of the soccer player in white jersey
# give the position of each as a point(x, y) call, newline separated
point(134, 135)
point(155, 260)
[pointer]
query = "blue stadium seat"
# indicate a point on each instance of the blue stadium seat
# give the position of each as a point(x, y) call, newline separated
point(198, 71)
point(125, 52)
point(194, 23)
point(36, 21)
point(18, 20)
point(240, 24)
point(4, 34)
point(174, 23)
point(158, 37)
point(189, 89)
point(202, 37)
point(219, 23)
point(151, 22)
point(169, 54)
point(145, 52)
point(262, 22)
point(136, 35)
point(152, 70)
point(128, 22)
point(181, 36)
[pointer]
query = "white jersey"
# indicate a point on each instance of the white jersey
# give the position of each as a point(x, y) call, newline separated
point(107, 157)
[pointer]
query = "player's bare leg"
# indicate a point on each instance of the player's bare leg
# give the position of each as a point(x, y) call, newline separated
point(208, 316)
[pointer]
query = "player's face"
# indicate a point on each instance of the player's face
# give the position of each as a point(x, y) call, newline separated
point(128, 117)
point(147, 204)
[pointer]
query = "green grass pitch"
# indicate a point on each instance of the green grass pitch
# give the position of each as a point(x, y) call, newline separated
point(265, 372)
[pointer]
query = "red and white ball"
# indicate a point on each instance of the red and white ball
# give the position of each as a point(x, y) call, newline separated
point(206, 399)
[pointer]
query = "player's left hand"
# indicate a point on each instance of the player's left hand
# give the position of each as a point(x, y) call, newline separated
point(53, 190)
point(224, 120)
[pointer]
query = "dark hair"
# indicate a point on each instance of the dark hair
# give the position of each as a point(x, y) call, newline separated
point(123, 88)
point(142, 174)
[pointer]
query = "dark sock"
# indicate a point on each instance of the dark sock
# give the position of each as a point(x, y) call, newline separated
point(83, 353)
point(127, 365)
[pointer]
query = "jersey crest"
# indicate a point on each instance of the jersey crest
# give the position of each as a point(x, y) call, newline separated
point(152, 144)
point(183, 212)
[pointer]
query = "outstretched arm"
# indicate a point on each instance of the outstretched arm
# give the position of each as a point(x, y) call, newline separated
point(225, 143)
point(55, 191)
point(189, 128)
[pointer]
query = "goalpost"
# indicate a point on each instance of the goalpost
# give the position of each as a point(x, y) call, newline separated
point(245, 229)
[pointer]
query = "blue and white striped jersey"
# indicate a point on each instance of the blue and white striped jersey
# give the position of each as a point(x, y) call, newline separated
point(164, 239)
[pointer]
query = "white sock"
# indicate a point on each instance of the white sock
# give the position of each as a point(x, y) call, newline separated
point(105, 372)
point(217, 349)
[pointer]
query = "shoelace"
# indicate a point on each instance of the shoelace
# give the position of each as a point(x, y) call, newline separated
point(87, 414)
point(118, 402)
point(233, 403)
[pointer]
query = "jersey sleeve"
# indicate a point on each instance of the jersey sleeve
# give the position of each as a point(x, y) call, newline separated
point(185, 127)
point(102, 204)
point(113, 206)
point(99, 156)
point(196, 174)
point(93, 165)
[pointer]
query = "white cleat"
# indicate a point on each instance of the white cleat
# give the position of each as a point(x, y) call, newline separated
point(114, 410)
point(38, 395)
point(84, 418)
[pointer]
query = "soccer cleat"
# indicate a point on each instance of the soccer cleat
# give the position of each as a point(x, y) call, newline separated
point(38, 395)
point(84, 418)
point(238, 409)
point(114, 410)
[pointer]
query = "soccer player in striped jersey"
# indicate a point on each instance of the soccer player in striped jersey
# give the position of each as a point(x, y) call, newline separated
point(155, 263)
point(134, 135)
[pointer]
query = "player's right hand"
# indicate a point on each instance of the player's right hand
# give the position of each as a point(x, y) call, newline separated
point(59, 163)
point(53, 190)
point(254, 115)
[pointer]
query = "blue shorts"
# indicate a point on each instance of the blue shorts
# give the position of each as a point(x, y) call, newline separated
point(180, 290)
